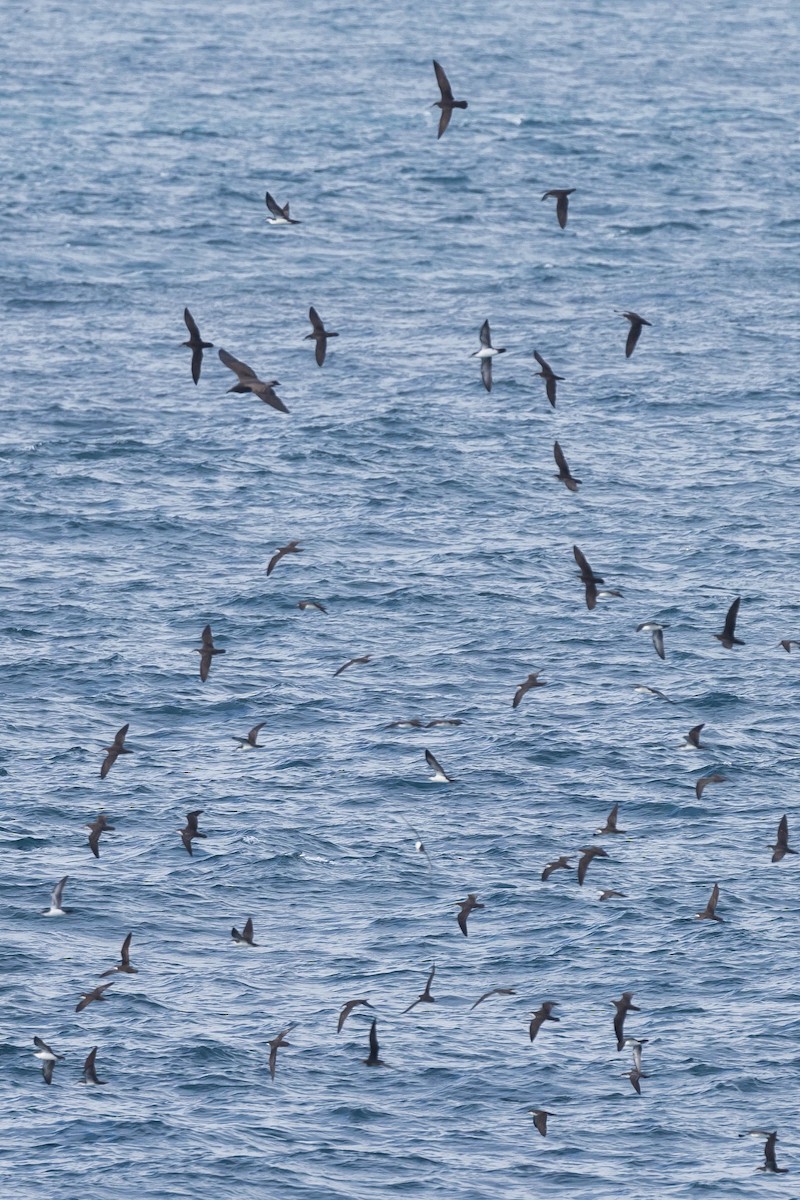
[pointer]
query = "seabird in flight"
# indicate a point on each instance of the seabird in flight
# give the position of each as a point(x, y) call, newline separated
point(657, 632)
point(561, 197)
point(289, 548)
point(275, 1043)
point(486, 354)
point(245, 938)
point(493, 992)
point(352, 662)
point(55, 909)
point(787, 644)
point(611, 823)
point(586, 857)
point(633, 333)
point(541, 1015)
point(249, 382)
point(781, 847)
point(635, 1075)
point(419, 845)
point(251, 742)
point(304, 604)
point(590, 580)
point(770, 1163)
point(728, 637)
point(466, 907)
point(320, 335)
point(447, 103)
point(705, 780)
point(563, 473)
point(97, 827)
point(374, 1059)
point(531, 682)
point(190, 829)
point(709, 912)
point(196, 344)
point(439, 773)
point(540, 1116)
point(610, 894)
point(425, 996)
point(558, 864)
point(206, 652)
point(623, 1007)
point(549, 376)
point(280, 216)
point(691, 740)
point(347, 1009)
point(47, 1058)
point(89, 1072)
point(123, 967)
point(88, 997)
point(113, 751)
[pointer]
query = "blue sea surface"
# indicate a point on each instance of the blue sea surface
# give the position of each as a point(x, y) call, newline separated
point(136, 146)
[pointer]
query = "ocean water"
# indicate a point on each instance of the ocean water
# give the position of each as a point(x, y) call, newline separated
point(137, 146)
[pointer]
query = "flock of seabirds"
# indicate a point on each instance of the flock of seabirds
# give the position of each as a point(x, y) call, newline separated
point(247, 381)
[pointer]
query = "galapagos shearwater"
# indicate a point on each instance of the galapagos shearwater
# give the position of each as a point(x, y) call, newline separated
point(588, 577)
point(563, 473)
point(47, 1057)
point(280, 216)
point(549, 376)
point(540, 1116)
point(498, 991)
point(728, 636)
point(55, 909)
point(88, 998)
point(245, 938)
point(770, 1162)
point(195, 344)
point(709, 913)
point(100, 825)
point(304, 604)
point(587, 855)
point(635, 330)
point(319, 335)
point(89, 1070)
point(292, 547)
point(113, 751)
point(251, 741)
point(425, 996)
point(703, 782)
point(486, 354)
point(206, 652)
point(545, 1013)
point(691, 740)
point(352, 662)
point(623, 1007)
point(532, 681)
point(447, 103)
point(657, 633)
point(275, 1044)
point(439, 773)
point(374, 1059)
point(123, 967)
point(190, 830)
point(347, 1009)
point(782, 847)
point(561, 197)
point(465, 908)
point(558, 864)
point(611, 823)
point(249, 382)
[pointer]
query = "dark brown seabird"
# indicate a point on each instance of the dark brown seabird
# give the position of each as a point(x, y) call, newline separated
point(541, 1015)
point(274, 1044)
point(206, 652)
point(728, 637)
point(374, 1059)
point(610, 894)
point(280, 216)
point(113, 751)
point(320, 335)
point(89, 1071)
point(123, 967)
point(439, 773)
point(56, 896)
point(781, 847)
point(586, 857)
point(466, 907)
point(352, 662)
point(588, 577)
point(540, 1116)
point(692, 739)
point(633, 333)
point(245, 938)
point(304, 604)
point(549, 376)
point(425, 996)
point(705, 780)
point(635, 1075)
point(770, 1162)
point(499, 991)
point(709, 912)
point(558, 864)
point(97, 827)
point(196, 344)
point(611, 823)
point(190, 829)
point(657, 633)
point(47, 1057)
point(88, 997)
point(531, 682)
point(289, 548)
point(563, 473)
point(251, 741)
point(447, 103)
point(561, 197)
point(486, 354)
point(249, 382)
point(347, 1009)
point(787, 644)
point(623, 1007)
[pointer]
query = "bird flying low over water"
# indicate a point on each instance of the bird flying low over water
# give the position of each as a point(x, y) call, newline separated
point(691, 740)
point(123, 967)
point(280, 216)
point(319, 335)
point(47, 1057)
point(89, 1071)
point(486, 354)
point(290, 548)
point(728, 637)
point(206, 652)
point(274, 1045)
point(558, 864)
point(196, 344)
point(611, 823)
point(549, 376)
point(352, 662)
point(561, 197)
point(447, 103)
point(709, 913)
point(97, 827)
point(249, 382)
point(545, 1013)
point(440, 775)
point(657, 632)
point(190, 830)
point(589, 579)
point(498, 991)
point(55, 909)
point(113, 751)
point(781, 847)
point(587, 855)
point(705, 780)
point(250, 742)
point(466, 907)
point(635, 330)
point(531, 682)
point(245, 938)
point(623, 1007)
point(347, 1009)
point(419, 845)
point(563, 473)
point(374, 1059)
point(304, 604)
point(787, 644)
point(425, 996)
point(88, 998)
point(540, 1116)
point(770, 1162)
